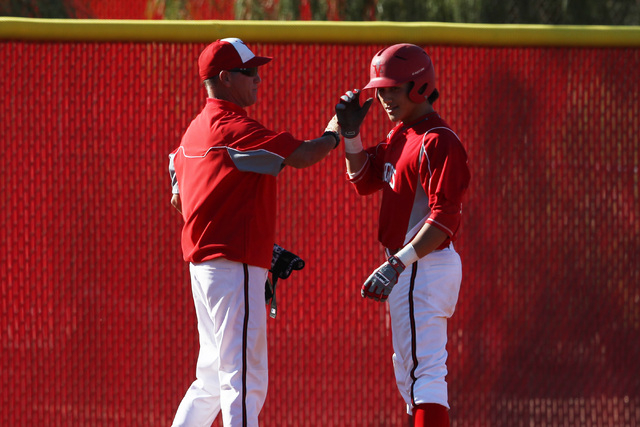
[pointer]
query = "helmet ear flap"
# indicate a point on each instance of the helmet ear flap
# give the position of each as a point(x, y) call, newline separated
point(418, 95)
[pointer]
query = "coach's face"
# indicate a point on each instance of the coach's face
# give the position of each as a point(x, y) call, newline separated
point(244, 86)
point(396, 103)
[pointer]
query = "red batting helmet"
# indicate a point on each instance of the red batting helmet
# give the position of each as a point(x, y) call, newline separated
point(402, 63)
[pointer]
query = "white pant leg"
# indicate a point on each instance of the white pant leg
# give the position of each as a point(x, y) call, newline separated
point(232, 370)
point(201, 403)
point(419, 311)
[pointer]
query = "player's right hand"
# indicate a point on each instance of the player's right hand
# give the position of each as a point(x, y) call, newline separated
point(350, 114)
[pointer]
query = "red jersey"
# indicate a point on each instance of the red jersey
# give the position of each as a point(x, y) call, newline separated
point(422, 170)
point(226, 168)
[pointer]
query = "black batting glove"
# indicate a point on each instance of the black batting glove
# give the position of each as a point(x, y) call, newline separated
point(350, 114)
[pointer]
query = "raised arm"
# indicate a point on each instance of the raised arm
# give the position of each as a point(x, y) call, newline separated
point(350, 116)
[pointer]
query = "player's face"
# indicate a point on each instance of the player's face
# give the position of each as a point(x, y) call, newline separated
point(396, 103)
point(245, 82)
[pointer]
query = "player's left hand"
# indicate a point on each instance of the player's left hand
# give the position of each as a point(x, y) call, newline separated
point(379, 285)
point(350, 113)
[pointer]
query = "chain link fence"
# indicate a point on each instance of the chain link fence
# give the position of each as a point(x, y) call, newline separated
point(96, 304)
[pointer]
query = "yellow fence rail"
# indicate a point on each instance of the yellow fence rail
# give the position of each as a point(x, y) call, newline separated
point(431, 33)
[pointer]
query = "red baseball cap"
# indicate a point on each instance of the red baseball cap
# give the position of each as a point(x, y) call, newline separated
point(226, 54)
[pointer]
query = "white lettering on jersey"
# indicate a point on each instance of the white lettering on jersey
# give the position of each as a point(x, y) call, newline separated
point(389, 174)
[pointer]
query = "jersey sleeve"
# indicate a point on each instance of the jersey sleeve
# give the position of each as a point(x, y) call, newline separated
point(172, 174)
point(370, 178)
point(254, 148)
point(445, 177)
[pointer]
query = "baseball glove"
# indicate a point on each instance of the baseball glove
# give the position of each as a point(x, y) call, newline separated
point(283, 263)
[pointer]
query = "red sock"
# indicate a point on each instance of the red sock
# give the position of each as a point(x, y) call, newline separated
point(430, 415)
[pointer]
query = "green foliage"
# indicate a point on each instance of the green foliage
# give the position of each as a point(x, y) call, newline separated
point(319, 10)
point(401, 10)
point(250, 9)
point(174, 9)
point(52, 9)
point(555, 12)
point(565, 12)
point(289, 10)
point(358, 10)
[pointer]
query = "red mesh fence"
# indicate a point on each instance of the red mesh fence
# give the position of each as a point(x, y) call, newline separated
point(98, 326)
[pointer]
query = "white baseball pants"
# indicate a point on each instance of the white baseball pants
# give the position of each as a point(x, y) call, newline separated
point(419, 305)
point(232, 368)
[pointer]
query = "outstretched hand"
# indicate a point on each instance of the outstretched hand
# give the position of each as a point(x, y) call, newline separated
point(333, 125)
point(350, 113)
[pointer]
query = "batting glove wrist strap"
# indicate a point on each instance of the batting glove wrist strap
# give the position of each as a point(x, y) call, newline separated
point(396, 264)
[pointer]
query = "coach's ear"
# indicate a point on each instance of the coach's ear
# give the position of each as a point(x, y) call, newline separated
point(224, 77)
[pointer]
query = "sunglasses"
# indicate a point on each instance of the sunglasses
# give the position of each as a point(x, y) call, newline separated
point(249, 72)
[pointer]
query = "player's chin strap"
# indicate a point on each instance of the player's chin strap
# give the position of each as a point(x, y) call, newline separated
point(283, 263)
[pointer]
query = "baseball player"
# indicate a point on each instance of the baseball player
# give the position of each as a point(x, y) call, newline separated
point(225, 188)
point(421, 169)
